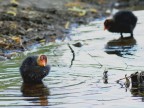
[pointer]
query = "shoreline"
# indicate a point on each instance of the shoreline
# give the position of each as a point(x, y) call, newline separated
point(24, 23)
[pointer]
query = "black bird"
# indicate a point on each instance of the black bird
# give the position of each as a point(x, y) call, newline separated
point(122, 22)
point(135, 79)
point(34, 69)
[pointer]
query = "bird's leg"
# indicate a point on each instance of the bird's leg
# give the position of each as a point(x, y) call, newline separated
point(131, 34)
point(121, 35)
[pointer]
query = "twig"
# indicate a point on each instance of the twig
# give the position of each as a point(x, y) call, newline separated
point(126, 65)
point(122, 79)
point(127, 77)
point(97, 61)
point(73, 58)
point(55, 50)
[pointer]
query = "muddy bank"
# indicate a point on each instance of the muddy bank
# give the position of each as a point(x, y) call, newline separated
point(24, 23)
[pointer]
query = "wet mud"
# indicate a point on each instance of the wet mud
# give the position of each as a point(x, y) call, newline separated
point(26, 23)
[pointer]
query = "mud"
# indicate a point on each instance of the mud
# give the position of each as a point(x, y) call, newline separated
point(24, 23)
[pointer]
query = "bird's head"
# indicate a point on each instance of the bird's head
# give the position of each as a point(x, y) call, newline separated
point(42, 60)
point(108, 24)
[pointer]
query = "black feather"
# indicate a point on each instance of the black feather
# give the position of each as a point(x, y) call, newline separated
point(31, 72)
point(122, 22)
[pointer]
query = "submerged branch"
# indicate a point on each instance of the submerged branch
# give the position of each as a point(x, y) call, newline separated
point(73, 58)
point(127, 77)
point(97, 61)
point(122, 78)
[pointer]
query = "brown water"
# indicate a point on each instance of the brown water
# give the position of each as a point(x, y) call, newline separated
point(79, 83)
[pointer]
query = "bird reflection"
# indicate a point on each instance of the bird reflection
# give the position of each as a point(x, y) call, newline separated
point(36, 90)
point(121, 46)
point(137, 91)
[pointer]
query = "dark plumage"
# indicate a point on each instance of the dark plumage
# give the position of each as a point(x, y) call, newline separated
point(135, 80)
point(122, 22)
point(34, 69)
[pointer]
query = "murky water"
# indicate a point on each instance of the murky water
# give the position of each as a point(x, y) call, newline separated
point(76, 81)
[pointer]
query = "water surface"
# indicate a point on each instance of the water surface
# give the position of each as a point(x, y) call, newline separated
point(77, 81)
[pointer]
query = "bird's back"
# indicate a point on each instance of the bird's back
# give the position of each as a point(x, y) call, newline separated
point(125, 17)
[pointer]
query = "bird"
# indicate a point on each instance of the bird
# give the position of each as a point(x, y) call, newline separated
point(123, 21)
point(141, 78)
point(34, 68)
point(105, 76)
point(127, 82)
point(135, 79)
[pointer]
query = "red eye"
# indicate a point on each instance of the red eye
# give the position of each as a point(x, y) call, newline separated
point(43, 57)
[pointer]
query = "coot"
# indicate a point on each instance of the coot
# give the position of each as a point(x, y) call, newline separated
point(34, 69)
point(122, 22)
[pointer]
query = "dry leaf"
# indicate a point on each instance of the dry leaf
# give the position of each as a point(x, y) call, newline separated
point(79, 11)
point(11, 13)
point(74, 4)
point(15, 2)
point(67, 25)
point(16, 39)
point(83, 13)
point(93, 10)
point(13, 25)
point(29, 29)
point(41, 41)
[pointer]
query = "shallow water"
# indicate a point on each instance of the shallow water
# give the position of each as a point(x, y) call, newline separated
point(77, 81)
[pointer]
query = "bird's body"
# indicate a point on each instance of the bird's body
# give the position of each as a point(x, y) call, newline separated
point(127, 83)
point(122, 22)
point(135, 79)
point(32, 71)
point(105, 77)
